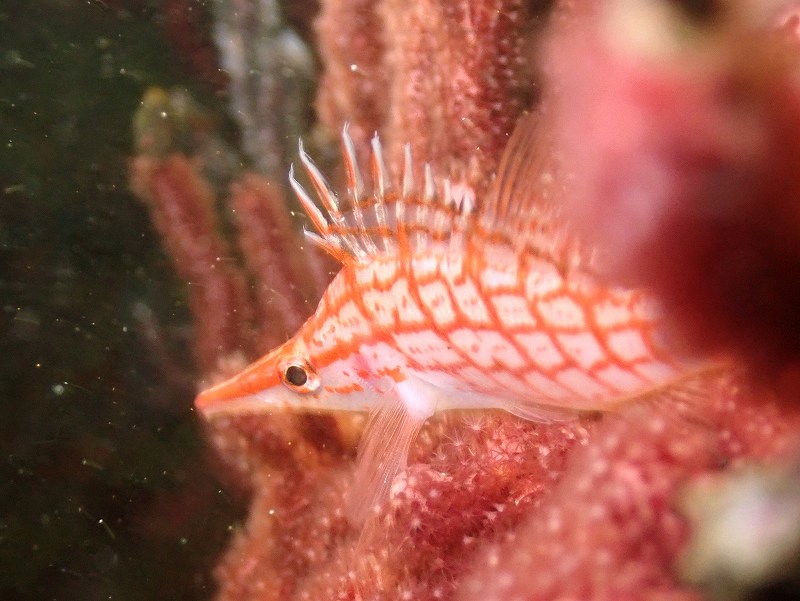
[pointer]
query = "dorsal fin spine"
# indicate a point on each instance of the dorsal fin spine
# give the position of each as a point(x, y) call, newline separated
point(439, 223)
point(355, 181)
point(327, 240)
point(408, 172)
point(331, 204)
point(421, 218)
point(447, 193)
point(330, 245)
point(463, 204)
point(311, 209)
point(422, 215)
point(379, 177)
point(365, 238)
point(467, 202)
point(401, 233)
point(355, 189)
point(324, 191)
point(407, 193)
point(381, 186)
point(429, 191)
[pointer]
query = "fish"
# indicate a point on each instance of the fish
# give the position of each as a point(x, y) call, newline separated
point(446, 303)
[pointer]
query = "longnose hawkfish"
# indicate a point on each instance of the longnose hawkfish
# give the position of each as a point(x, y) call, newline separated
point(443, 304)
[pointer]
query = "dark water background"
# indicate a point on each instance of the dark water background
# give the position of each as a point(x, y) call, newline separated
point(104, 488)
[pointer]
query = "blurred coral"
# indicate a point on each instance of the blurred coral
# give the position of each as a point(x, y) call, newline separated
point(450, 78)
point(734, 562)
point(611, 528)
point(491, 507)
point(232, 325)
point(681, 131)
point(182, 210)
point(269, 69)
point(186, 28)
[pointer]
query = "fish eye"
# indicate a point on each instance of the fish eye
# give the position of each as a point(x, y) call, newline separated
point(297, 374)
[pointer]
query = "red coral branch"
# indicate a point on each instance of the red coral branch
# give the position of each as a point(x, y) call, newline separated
point(611, 529)
point(448, 77)
point(288, 283)
point(181, 205)
point(354, 86)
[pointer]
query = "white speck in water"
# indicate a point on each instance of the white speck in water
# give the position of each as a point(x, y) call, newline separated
point(58, 389)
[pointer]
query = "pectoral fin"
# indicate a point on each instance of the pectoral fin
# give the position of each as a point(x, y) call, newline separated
point(383, 453)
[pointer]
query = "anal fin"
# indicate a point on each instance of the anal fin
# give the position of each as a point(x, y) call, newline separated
point(541, 413)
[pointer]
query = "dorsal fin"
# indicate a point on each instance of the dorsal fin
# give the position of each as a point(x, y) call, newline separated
point(525, 201)
point(390, 217)
point(522, 176)
point(523, 210)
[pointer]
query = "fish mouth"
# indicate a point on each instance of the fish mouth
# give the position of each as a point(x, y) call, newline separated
point(212, 407)
point(248, 392)
point(225, 399)
point(232, 398)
